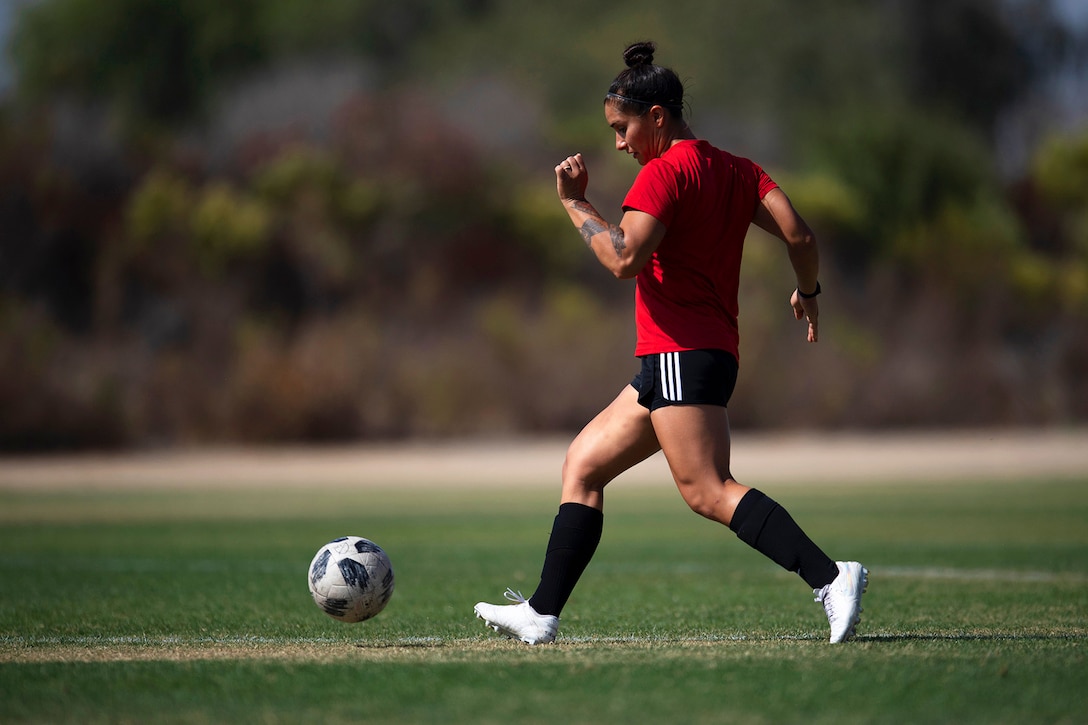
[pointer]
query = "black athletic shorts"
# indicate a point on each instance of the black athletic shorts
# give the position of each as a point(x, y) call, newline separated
point(691, 377)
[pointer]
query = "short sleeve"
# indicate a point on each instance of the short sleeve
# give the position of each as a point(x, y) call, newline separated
point(764, 183)
point(654, 192)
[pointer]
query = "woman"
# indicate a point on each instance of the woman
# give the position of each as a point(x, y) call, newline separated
point(681, 234)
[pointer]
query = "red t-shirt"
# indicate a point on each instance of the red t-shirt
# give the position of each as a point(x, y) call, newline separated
point(686, 295)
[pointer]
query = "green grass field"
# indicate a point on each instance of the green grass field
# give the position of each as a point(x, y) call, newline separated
point(191, 606)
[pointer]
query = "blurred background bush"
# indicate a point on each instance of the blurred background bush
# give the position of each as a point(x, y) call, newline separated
point(287, 221)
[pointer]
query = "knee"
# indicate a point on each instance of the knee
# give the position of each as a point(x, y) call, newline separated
point(707, 506)
point(578, 470)
point(711, 500)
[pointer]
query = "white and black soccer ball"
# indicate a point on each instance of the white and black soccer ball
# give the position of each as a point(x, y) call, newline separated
point(351, 579)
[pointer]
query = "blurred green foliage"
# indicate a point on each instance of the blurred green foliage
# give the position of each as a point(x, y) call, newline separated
point(225, 254)
point(1061, 172)
point(153, 60)
point(227, 225)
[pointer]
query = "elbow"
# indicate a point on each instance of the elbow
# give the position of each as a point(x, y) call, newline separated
point(625, 268)
point(802, 238)
point(802, 241)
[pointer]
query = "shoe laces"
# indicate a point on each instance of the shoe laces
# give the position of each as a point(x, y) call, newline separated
point(513, 596)
point(822, 598)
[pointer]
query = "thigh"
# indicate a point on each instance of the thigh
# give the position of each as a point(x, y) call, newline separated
point(695, 439)
point(619, 437)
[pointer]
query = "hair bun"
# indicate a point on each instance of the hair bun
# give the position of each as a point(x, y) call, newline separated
point(641, 53)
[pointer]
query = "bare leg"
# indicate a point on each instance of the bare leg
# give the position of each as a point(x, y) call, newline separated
point(695, 439)
point(619, 437)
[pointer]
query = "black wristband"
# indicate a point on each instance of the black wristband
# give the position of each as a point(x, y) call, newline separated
point(803, 296)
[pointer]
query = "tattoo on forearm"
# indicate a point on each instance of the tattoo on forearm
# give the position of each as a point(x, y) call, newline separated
point(590, 228)
point(618, 242)
point(583, 206)
point(595, 225)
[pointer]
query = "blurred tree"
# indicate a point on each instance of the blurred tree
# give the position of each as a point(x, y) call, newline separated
point(160, 61)
point(381, 31)
point(973, 59)
point(901, 169)
point(151, 60)
point(1060, 181)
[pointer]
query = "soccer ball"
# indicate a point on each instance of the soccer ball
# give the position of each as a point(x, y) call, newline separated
point(351, 579)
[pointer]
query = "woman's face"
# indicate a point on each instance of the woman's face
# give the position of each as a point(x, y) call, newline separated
point(636, 135)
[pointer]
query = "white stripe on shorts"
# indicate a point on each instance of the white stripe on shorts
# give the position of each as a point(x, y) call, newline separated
point(672, 388)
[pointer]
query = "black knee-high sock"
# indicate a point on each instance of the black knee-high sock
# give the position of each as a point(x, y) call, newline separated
point(769, 529)
point(576, 532)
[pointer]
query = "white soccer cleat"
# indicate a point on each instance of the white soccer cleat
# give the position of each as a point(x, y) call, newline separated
point(842, 599)
point(518, 621)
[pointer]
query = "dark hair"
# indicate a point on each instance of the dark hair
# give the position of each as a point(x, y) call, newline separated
point(644, 84)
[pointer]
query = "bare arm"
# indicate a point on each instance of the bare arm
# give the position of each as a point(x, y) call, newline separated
point(776, 215)
point(624, 248)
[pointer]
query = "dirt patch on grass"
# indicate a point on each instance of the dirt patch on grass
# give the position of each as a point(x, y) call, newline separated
point(170, 650)
point(408, 650)
point(436, 650)
point(428, 650)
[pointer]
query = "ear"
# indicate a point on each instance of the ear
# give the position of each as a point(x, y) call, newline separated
point(659, 115)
